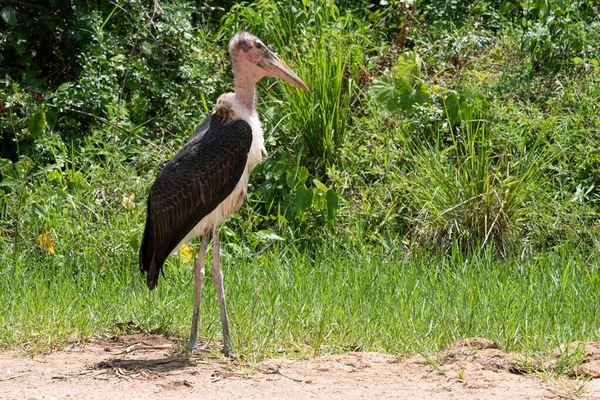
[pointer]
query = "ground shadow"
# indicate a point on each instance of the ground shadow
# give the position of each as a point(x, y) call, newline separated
point(158, 365)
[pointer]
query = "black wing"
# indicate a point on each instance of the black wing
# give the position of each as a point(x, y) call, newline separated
point(191, 185)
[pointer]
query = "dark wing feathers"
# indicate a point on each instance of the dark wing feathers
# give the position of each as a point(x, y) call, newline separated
point(191, 185)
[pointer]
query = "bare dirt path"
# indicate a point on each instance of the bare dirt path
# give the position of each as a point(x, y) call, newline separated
point(147, 367)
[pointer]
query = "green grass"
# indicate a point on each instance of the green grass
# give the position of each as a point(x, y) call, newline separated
point(305, 303)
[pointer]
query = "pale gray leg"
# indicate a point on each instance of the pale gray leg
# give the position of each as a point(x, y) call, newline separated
point(218, 278)
point(198, 280)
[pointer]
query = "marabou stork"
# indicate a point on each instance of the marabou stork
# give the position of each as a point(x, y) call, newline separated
point(206, 181)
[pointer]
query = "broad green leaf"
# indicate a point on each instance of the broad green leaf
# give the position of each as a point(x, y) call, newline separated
point(23, 166)
point(411, 95)
point(37, 123)
point(290, 178)
point(134, 241)
point(9, 16)
point(64, 88)
point(51, 118)
point(10, 182)
point(407, 67)
point(457, 108)
point(333, 203)
point(304, 198)
point(451, 106)
point(421, 93)
point(384, 92)
point(302, 176)
point(320, 186)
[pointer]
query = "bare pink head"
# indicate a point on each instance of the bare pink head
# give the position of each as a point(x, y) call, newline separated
point(252, 61)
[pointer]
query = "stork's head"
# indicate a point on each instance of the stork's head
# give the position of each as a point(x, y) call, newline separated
point(252, 61)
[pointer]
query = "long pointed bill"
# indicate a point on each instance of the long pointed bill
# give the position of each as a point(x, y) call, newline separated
point(277, 69)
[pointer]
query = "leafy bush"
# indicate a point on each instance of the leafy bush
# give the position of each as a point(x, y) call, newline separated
point(470, 195)
point(555, 32)
point(108, 65)
point(402, 88)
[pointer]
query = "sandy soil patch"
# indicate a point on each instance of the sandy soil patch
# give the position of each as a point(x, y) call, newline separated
point(147, 366)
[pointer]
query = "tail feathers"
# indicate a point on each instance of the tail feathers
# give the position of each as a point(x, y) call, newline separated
point(151, 266)
point(153, 272)
point(150, 262)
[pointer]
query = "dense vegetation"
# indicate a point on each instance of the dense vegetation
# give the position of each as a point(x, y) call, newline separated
point(440, 180)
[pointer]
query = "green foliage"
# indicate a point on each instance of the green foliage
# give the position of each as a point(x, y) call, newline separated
point(471, 196)
point(322, 114)
point(443, 14)
point(106, 64)
point(401, 88)
point(37, 123)
point(557, 31)
point(296, 202)
point(407, 71)
point(9, 16)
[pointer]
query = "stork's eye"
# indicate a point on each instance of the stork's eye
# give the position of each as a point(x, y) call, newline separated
point(259, 45)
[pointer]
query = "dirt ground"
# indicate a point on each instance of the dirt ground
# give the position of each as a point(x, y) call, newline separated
point(148, 367)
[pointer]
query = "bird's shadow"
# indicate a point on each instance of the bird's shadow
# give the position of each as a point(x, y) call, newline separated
point(160, 365)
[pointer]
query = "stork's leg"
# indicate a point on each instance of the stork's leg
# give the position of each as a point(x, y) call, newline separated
point(218, 278)
point(198, 280)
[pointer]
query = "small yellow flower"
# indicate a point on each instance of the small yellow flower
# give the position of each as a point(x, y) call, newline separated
point(186, 252)
point(45, 242)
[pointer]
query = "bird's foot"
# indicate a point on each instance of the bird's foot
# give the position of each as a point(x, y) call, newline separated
point(195, 349)
point(199, 349)
point(227, 353)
